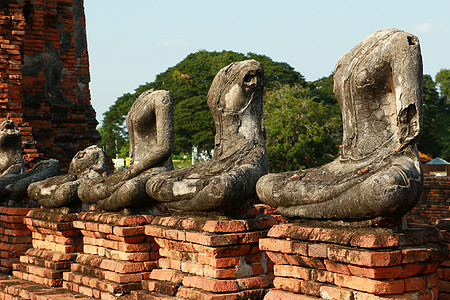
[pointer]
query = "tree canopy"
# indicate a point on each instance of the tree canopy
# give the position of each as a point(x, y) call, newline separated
point(302, 131)
point(435, 139)
point(189, 82)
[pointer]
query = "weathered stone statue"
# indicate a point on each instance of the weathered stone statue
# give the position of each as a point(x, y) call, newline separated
point(150, 130)
point(11, 161)
point(13, 187)
point(378, 85)
point(14, 181)
point(61, 191)
point(228, 180)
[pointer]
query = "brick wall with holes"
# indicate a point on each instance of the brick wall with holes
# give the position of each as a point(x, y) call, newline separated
point(44, 77)
point(434, 203)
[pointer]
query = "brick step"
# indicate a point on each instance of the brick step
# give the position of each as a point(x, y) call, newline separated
point(14, 288)
point(98, 288)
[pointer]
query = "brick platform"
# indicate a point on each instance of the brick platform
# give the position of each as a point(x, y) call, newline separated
point(55, 243)
point(207, 259)
point(334, 263)
point(15, 237)
point(117, 255)
point(444, 269)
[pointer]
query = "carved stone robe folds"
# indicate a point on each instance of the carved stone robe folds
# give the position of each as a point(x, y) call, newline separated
point(378, 85)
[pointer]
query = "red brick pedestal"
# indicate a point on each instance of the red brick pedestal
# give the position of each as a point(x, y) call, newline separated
point(54, 242)
point(444, 269)
point(205, 259)
point(117, 255)
point(332, 263)
point(15, 237)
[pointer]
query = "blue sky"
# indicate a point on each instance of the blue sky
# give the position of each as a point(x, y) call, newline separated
point(130, 42)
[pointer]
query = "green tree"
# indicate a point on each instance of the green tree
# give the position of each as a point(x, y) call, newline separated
point(322, 90)
point(443, 82)
point(301, 131)
point(189, 82)
point(435, 139)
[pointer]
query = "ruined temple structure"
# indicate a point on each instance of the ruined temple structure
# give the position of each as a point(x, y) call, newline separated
point(44, 77)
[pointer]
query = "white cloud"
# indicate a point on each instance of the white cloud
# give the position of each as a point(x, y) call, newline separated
point(174, 42)
point(424, 28)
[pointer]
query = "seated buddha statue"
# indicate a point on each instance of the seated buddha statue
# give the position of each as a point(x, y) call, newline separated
point(150, 130)
point(378, 174)
point(227, 181)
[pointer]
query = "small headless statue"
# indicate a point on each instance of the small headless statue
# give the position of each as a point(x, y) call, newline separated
point(14, 181)
point(150, 130)
point(228, 180)
point(61, 191)
point(378, 85)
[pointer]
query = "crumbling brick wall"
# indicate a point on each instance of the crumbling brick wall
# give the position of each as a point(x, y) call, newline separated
point(434, 203)
point(44, 77)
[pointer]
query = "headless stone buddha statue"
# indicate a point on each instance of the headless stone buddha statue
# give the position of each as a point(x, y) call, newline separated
point(378, 85)
point(228, 180)
point(11, 161)
point(61, 191)
point(14, 181)
point(150, 130)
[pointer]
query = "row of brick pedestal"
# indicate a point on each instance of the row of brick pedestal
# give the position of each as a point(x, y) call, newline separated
point(109, 256)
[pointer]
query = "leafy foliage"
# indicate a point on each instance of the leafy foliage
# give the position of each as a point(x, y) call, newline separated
point(301, 132)
point(435, 139)
point(189, 82)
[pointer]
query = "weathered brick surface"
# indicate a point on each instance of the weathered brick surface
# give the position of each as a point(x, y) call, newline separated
point(54, 244)
point(15, 237)
point(444, 269)
point(44, 77)
point(339, 263)
point(209, 259)
point(116, 255)
point(15, 288)
point(434, 202)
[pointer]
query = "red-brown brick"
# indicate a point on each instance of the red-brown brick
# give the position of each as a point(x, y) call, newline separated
point(44, 78)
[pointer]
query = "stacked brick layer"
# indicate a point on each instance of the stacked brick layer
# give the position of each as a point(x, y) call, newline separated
point(55, 244)
point(15, 237)
point(333, 263)
point(208, 259)
point(117, 255)
point(15, 289)
point(44, 77)
point(434, 203)
point(444, 270)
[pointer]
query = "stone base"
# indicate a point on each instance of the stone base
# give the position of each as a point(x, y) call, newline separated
point(207, 259)
point(334, 263)
point(54, 242)
point(15, 237)
point(117, 255)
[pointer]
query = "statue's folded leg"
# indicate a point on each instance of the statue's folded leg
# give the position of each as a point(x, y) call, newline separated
point(387, 193)
point(173, 186)
point(92, 190)
point(130, 194)
point(63, 195)
point(232, 187)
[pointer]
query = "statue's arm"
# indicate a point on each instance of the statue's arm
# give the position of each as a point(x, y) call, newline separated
point(14, 169)
point(407, 78)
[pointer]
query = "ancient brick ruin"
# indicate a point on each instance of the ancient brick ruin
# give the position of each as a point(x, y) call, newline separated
point(44, 77)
